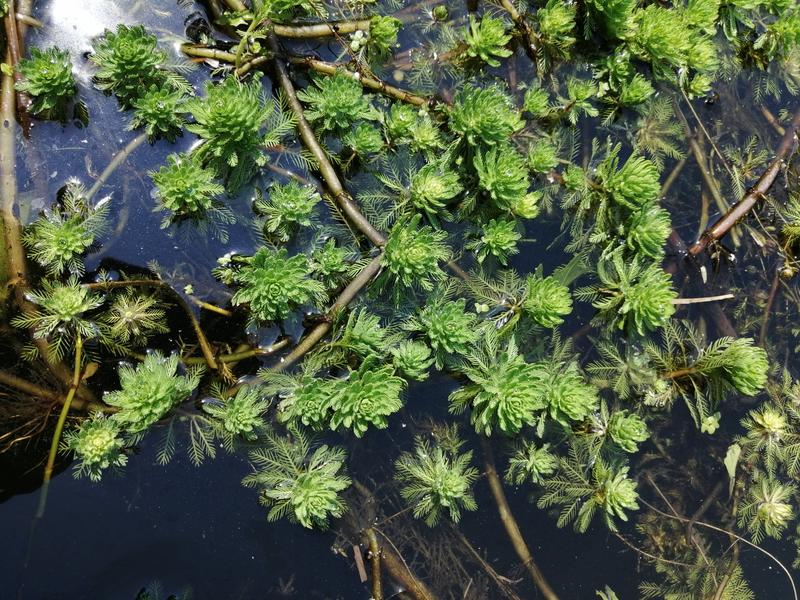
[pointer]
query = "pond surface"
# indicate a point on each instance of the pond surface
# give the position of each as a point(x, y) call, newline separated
point(195, 530)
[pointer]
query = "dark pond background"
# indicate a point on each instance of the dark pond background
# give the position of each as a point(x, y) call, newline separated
point(198, 529)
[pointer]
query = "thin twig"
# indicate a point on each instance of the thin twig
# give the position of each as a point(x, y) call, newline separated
point(375, 563)
point(203, 52)
point(242, 355)
point(510, 524)
point(368, 82)
point(732, 535)
point(400, 571)
point(529, 36)
point(756, 193)
point(703, 299)
point(28, 20)
point(318, 332)
point(119, 158)
point(773, 293)
point(342, 198)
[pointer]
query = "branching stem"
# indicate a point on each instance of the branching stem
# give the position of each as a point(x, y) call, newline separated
point(342, 198)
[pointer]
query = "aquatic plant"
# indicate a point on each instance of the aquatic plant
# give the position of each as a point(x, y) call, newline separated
point(498, 238)
point(131, 318)
point(487, 39)
point(298, 479)
point(633, 296)
point(286, 208)
point(583, 492)
point(433, 151)
point(412, 255)
point(61, 316)
point(129, 63)
point(184, 188)
point(98, 445)
point(767, 511)
point(159, 110)
point(504, 392)
point(547, 301)
point(47, 77)
point(367, 398)
point(240, 415)
point(58, 239)
point(412, 359)
point(627, 430)
point(503, 175)
point(484, 116)
point(447, 326)
point(434, 482)
point(236, 122)
point(149, 391)
point(383, 32)
point(531, 463)
point(335, 102)
point(271, 284)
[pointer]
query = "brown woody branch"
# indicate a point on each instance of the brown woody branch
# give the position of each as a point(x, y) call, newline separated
point(756, 193)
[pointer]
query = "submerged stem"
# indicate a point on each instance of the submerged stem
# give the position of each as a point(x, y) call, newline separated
point(119, 158)
point(510, 523)
point(62, 418)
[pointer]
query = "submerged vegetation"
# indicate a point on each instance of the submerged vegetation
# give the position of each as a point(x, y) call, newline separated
point(491, 198)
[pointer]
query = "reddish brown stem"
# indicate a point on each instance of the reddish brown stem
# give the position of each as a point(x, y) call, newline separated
point(739, 210)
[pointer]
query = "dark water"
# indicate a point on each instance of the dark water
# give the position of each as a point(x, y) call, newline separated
point(198, 529)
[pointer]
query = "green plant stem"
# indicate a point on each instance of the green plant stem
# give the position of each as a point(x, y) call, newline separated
point(318, 332)
point(342, 198)
point(375, 563)
point(119, 158)
point(510, 523)
point(328, 68)
point(529, 36)
point(316, 30)
point(236, 5)
point(242, 355)
point(756, 193)
point(203, 52)
point(62, 418)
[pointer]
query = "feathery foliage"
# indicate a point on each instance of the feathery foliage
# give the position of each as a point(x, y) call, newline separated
point(435, 482)
point(273, 284)
point(58, 239)
point(298, 479)
point(98, 445)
